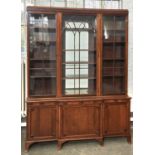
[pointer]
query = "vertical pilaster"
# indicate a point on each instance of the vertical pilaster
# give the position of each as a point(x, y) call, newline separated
point(99, 55)
point(59, 52)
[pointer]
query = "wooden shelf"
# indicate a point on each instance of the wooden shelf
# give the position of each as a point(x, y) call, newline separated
point(79, 29)
point(113, 76)
point(75, 88)
point(45, 42)
point(42, 68)
point(114, 93)
point(46, 76)
point(77, 68)
point(43, 28)
point(113, 59)
point(42, 95)
point(113, 42)
point(81, 62)
point(35, 59)
point(78, 77)
point(112, 67)
point(81, 50)
point(115, 30)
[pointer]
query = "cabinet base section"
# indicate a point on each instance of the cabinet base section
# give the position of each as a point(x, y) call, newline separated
point(28, 143)
point(73, 119)
point(128, 137)
point(62, 141)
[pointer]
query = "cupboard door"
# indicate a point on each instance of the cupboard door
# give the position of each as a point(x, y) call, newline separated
point(42, 122)
point(80, 120)
point(116, 118)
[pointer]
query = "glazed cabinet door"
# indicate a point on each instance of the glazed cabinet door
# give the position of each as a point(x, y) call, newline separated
point(116, 120)
point(42, 55)
point(80, 119)
point(78, 55)
point(114, 55)
point(41, 122)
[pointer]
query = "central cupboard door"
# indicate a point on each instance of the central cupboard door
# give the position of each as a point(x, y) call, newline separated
point(80, 119)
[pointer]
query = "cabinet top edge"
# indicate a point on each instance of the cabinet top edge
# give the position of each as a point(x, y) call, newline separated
point(38, 9)
point(57, 99)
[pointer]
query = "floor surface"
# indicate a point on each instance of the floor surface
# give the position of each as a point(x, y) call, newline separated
point(112, 146)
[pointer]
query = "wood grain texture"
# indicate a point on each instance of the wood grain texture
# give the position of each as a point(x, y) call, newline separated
point(99, 54)
point(59, 52)
point(80, 120)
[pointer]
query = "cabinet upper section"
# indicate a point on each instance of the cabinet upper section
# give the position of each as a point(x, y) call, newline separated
point(76, 52)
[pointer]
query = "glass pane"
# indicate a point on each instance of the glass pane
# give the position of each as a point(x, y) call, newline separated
point(92, 3)
point(108, 52)
point(69, 72)
point(83, 83)
point(84, 40)
point(69, 83)
point(58, 3)
point(91, 85)
point(84, 56)
point(79, 54)
point(108, 85)
point(92, 57)
point(42, 55)
point(70, 40)
point(120, 23)
point(42, 2)
point(107, 4)
point(120, 28)
point(112, 4)
point(75, 3)
point(113, 55)
point(92, 71)
point(69, 56)
point(119, 51)
point(119, 85)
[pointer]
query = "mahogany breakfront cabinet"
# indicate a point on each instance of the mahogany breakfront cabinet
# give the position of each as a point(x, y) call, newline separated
point(77, 75)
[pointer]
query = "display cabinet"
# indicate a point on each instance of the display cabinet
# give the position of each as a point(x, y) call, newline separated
point(77, 64)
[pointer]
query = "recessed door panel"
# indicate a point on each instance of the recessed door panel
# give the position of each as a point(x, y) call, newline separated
point(80, 120)
point(42, 122)
point(116, 118)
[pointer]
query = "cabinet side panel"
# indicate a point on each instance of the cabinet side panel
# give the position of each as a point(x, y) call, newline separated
point(123, 117)
point(33, 122)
